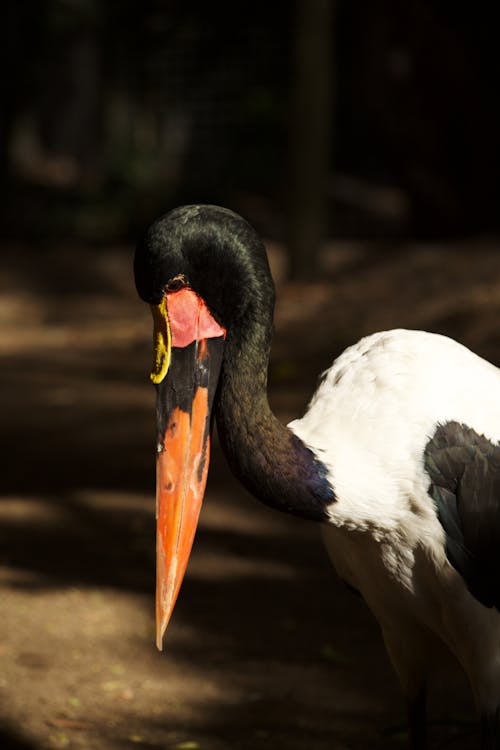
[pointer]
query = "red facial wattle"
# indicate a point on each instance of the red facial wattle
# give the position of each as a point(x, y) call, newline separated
point(190, 319)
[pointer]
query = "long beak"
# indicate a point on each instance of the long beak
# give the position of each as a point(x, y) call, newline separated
point(186, 380)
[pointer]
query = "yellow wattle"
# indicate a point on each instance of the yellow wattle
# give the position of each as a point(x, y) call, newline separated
point(162, 342)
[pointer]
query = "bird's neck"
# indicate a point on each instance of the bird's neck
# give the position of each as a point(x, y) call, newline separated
point(272, 462)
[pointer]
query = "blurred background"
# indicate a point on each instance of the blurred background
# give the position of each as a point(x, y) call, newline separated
point(361, 140)
point(114, 110)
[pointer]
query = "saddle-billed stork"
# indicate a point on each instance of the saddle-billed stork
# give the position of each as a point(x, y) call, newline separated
point(397, 455)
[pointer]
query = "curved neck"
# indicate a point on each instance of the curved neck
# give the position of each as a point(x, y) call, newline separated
point(272, 462)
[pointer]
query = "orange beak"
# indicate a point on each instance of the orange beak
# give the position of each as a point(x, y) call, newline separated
point(188, 355)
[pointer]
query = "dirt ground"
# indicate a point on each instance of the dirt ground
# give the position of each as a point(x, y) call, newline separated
point(266, 650)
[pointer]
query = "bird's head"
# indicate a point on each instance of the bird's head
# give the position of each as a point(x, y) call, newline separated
point(205, 274)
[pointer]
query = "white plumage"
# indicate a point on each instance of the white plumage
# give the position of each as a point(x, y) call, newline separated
point(370, 420)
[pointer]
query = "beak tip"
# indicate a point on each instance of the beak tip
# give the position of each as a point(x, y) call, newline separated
point(160, 634)
point(162, 621)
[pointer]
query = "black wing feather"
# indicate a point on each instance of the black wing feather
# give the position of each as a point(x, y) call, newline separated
point(464, 469)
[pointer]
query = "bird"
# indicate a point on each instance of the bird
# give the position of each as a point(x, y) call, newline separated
point(397, 457)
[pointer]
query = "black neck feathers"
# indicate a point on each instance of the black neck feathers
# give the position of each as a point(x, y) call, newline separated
point(272, 462)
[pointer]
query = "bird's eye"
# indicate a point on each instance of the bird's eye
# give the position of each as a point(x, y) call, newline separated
point(176, 283)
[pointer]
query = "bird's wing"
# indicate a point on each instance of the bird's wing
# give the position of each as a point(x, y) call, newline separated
point(464, 469)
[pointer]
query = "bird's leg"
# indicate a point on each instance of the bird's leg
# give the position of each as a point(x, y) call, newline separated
point(408, 650)
point(490, 730)
point(417, 726)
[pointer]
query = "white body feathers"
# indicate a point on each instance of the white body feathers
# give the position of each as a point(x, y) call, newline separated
point(369, 422)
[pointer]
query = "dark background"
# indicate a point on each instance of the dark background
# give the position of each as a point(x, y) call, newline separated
point(112, 110)
point(361, 139)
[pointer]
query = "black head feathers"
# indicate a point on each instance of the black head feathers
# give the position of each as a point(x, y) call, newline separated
point(218, 254)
